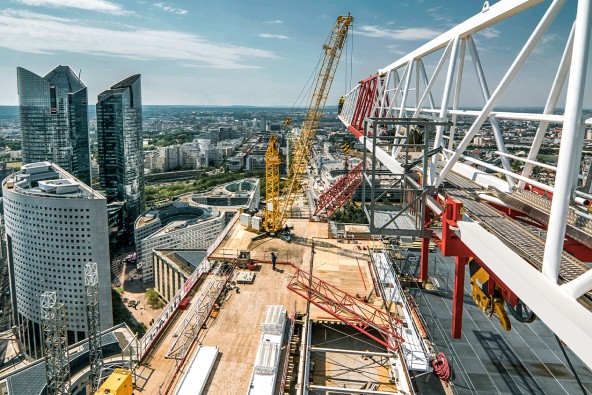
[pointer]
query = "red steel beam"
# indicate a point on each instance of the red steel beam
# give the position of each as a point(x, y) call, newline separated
point(348, 309)
point(365, 101)
point(337, 195)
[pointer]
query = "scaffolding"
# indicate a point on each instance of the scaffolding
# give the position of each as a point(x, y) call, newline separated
point(57, 364)
point(410, 138)
point(187, 331)
point(95, 353)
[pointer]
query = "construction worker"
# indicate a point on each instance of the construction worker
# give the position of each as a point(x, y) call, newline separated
point(340, 106)
point(273, 259)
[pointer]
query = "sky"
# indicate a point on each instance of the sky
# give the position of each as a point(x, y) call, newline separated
point(258, 53)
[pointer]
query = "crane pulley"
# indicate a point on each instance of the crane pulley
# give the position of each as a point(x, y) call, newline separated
point(279, 207)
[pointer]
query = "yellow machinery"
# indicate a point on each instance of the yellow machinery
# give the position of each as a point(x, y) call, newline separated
point(272, 181)
point(490, 301)
point(279, 207)
point(118, 383)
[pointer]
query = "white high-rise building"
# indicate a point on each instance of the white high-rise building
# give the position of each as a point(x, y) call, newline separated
point(55, 224)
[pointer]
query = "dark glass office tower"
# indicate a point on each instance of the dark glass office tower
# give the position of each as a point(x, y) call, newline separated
point(54, 120)
point(121, 155)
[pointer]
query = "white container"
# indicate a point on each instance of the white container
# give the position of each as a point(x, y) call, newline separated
point(256, 223)
point(245, 220)
point(266, 361)
point(275, 319)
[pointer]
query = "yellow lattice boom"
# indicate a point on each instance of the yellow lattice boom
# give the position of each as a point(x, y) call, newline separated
point(278, 213)
point(272, 183)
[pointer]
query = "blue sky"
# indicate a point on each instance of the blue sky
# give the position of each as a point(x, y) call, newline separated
point(253, 52)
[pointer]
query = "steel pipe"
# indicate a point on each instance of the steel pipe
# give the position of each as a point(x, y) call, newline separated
point(571, 143)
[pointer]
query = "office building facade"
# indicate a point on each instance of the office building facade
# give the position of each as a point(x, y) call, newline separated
point(54, 120)
point(120, 151)
point(54, 226)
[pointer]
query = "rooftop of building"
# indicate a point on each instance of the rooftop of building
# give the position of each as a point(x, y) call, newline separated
point(21, 376)
point(65, 78)
point(241, 188)
point(49, 180)
point(126, 82)
point(176, 215)
point(120, 87)
point(184, 260)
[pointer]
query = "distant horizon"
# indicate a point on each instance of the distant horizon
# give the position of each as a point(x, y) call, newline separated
point(227, 54)
point(279, 107)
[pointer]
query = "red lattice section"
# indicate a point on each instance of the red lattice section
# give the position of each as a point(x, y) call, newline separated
point(348, 309)
point(337, 195)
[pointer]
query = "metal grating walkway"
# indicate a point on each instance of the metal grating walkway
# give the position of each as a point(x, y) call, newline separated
point(520, 238)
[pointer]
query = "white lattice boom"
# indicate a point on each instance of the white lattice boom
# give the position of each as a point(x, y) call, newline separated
point(57, 364)
point(93, 315)
point(404, 90)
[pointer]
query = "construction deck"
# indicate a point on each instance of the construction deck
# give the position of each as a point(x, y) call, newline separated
point(236, 328)
point(486, 360)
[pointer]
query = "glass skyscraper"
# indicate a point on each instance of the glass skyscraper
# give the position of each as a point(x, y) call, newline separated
point(120, 149)
point(54, 120)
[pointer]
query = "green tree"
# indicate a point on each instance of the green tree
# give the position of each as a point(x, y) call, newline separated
point(153, 299)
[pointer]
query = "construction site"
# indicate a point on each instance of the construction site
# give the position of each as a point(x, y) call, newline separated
point(469, 277)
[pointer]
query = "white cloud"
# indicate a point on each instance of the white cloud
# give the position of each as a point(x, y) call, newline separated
point(546, 44)
point(408, 34)
point(170, 9)
point(490, 32)
point(88, 5)
point(434, 12)
point(275, 21)
point(36, 33)
point(276, 36)
point(394, 49)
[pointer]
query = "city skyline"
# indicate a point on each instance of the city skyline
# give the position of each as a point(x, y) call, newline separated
point(226, 54)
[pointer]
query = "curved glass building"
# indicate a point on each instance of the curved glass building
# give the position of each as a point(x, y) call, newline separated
point(121, 155)
point(54, 120)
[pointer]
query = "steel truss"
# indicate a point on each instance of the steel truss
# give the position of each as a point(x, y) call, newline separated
point(337, 195)
point(93, 317)
point(349, 309)
point(187, 331)
point(57, 363)
point(403, 89)
point(384, 133)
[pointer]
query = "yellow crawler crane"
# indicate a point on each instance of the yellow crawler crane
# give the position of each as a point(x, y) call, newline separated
point(279, 207)
point(272, 182)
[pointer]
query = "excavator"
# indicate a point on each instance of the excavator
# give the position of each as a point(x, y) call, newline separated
point(279, 203)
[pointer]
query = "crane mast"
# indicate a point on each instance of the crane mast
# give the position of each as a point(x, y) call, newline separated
point(279, 207)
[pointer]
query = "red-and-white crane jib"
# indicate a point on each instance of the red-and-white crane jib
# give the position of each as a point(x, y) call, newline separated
point(553, 284)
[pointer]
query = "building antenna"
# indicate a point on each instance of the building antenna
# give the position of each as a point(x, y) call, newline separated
point(79, 72)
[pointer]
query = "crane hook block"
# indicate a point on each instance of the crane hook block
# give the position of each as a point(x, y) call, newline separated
point(487, 295)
